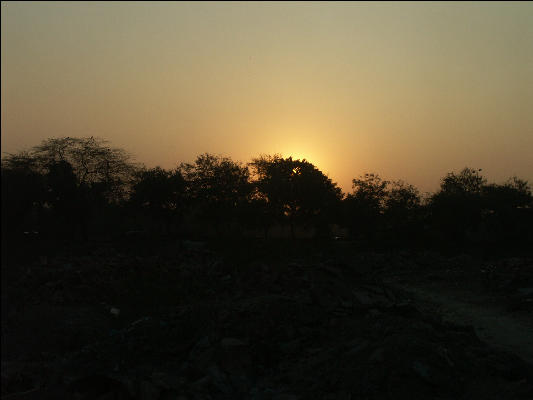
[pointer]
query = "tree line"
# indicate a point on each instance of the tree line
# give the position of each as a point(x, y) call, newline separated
point(83, 187)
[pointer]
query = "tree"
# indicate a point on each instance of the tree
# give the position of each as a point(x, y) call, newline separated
point(512, 194)
point(457, 207)
point(468, 181)
point(468, 208)
point(401, 198)
point(63, 197)
point(365, 205)
point(294, 191)
point(402, 210)
point(103, 170)
point(161, 194)
point(217, 188)
point(80, 175)
point(507, 210)
point(23, 193)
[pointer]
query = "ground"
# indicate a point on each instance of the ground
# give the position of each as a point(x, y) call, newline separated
point(498, 307)
point(284, 320)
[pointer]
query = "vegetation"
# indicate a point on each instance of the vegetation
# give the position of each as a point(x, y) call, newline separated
point(82, 187)
point(295, 192)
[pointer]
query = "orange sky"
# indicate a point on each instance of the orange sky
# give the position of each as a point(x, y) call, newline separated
point(409, 91)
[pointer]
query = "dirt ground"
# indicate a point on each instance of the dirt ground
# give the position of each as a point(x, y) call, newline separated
point(494, 324)
point(494, 297)
point(191, 320)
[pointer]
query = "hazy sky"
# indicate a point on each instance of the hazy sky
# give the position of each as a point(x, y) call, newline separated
point(407, 90)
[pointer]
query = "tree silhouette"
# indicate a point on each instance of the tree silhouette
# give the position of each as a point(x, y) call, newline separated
point(468, 181)
point(217, 188)
point(23, 192)
point(104, 170)
point(160, 194)
point(507, 210)
point(402, 211)
point(457, 207)
point(512, 194)
point(82, 175)
point(295, 191)
point(63, 196)
point(66, 185)
point(364, 206)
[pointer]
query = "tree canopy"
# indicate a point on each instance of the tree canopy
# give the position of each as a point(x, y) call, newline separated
point(160, 194)
point(217, 187)
point(294, 190)
point(67, 185)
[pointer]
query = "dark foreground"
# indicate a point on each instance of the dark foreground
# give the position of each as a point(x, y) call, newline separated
point(262, 321)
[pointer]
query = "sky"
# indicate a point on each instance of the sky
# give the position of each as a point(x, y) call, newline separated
point(409, 91)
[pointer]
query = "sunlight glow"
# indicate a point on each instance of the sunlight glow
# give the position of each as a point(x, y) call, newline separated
point(407, 92)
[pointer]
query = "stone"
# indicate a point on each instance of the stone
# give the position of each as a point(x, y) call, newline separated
point(234, 355)
point(148, 391)
point(231, 342)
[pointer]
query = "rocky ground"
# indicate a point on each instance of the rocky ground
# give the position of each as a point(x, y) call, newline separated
point(191, 321)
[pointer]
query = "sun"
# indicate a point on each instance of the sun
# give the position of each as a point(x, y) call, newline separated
point(297, 156)
point(300, 151)
point(303, 152)
point(301, 142)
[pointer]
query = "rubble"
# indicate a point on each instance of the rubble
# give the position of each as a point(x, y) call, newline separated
point(193, 326)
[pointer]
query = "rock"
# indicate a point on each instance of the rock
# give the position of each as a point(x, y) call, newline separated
point(202, 355)
point(218, 379)
point(290, 347)
point(194, 245)
point(377, 356)
point(97, 386)
point(148, 391)
point(367, 299)
point(161, 380)
point(405, 309)
point(234, 355)
point(421, 369)
point(231, 342)
point(286, 396)
point(114, 311)
point(525, 292)
point(201, 384)
point(356, 348)
point(374, 313)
